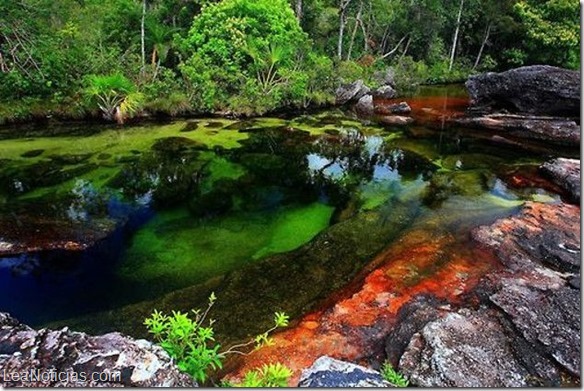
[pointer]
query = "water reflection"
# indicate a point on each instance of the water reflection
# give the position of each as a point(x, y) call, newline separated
point(182, 212)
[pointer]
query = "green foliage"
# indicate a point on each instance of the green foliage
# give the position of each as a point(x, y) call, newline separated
point(191, 342)
point(552, 30)
point(187, 340)
point(115, 95)
point(251, 57)
point(409, 73)
point(269, 375)
point(392, 376)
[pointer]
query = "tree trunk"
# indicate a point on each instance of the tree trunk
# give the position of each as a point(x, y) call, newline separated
point(299, 11)
point(455, 39)
point(354, 33)
point(478, 60)
point(143, 46)
point(342, 23)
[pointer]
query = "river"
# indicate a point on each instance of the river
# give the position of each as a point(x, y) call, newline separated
point(271, 214)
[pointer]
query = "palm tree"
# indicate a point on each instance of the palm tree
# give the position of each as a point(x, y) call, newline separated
point(116, 96)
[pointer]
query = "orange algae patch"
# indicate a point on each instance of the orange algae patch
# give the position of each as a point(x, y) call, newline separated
point(357, 323)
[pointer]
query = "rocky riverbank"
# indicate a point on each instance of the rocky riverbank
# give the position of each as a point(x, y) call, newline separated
point(64, 358)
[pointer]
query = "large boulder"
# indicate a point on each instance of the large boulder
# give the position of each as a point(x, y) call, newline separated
point(64, 358)
point(537, 89)
point(364, 106)
point(566, 174)
point(328, 372)
point(350, 93)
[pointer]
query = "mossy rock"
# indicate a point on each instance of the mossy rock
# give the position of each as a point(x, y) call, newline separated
point(446, 184)
point(173, 145)
point(33, 153)
point(190, 126)
point(70, 159)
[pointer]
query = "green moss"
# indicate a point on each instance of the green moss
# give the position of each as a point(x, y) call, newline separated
point(181, 250)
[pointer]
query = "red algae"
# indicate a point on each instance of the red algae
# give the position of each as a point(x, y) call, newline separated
point(354, 327)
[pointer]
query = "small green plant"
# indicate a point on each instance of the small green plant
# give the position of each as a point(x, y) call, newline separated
point(191, 342)
point(269, 375)
point(393, 376)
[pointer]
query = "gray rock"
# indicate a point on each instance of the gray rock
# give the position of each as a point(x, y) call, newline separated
point(364, 106)
point(352, 92)
point(464, 349)
point(384, 92)
point(548, 319)
point(328, 372)
point(64, 358)
point(411, 319)
point(537, 89)
point(558, 131)
point(566, 174)
point(386, 77)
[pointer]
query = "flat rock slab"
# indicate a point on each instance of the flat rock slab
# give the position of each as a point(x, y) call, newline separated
point(63, 358)
point(540, 235)
point(555, 130)
point(566, 174)
point(329, 372)
point(464, 349)
point(548, 319)
point(536, 89)
point(28, 233)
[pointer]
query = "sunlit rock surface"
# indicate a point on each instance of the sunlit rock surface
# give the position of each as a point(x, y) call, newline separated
point(64, 358)
point(328, 372)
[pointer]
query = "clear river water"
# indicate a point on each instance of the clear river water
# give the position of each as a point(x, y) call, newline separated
point(272, 214)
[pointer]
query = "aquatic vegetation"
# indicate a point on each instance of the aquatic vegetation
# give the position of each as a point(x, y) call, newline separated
point(181, 250)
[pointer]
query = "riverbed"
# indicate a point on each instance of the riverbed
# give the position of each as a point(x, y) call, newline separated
point(102, 224)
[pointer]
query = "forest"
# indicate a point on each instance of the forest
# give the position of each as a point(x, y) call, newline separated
point(120, 58)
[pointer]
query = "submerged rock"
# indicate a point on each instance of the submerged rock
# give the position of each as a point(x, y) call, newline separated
point(537, 89)
point(393, 108)
point(398, 120)
point(64, 358)
point(328, 372)
point(566, 174)
point(30, 233)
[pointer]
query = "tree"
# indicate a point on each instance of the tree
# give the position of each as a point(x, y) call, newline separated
point(116, 96)
point(552, 31)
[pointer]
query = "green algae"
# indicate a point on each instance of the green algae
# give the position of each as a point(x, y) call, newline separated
point(218, 169)
point(295, 227)
point(100, 157)
point(118, 141)
point(181, 250)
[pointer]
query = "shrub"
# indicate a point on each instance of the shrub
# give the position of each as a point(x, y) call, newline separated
point(115, 95)
point(392, 376)
point(192, 343)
